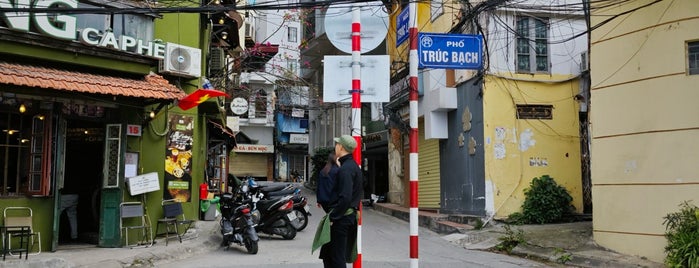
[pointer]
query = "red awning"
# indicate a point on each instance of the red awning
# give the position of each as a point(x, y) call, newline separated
point(255, 58)
point(152, 86)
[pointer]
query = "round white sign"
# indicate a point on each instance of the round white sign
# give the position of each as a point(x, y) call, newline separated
point(239, 106)
point(373, 23)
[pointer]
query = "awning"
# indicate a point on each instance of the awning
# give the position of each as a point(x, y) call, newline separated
point(255, 58)
point(223, 133)
point(152, 86)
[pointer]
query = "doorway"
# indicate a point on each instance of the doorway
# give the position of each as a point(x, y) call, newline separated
point(84, 155)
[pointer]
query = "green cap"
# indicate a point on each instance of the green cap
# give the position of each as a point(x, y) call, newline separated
point(347, 141)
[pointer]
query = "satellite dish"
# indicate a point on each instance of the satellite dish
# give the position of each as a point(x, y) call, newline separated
point(373, 20)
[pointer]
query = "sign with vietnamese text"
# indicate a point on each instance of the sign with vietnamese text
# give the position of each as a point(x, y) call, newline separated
point(143, 183)
point(450, 51)
point(402, 27)
point(254, 148)
point(66, 27)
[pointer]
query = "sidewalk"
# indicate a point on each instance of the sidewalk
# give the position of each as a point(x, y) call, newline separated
point(568, 243)
point(202, 236)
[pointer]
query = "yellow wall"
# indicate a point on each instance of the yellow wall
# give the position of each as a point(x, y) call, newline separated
point(556, 141)
point(401, 52)
point(644, 120)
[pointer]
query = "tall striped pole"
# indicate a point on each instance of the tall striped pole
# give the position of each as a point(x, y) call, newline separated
point(413, 98)
point(356, 114)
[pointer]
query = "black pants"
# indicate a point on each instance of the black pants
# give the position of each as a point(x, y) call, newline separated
point(343, 233)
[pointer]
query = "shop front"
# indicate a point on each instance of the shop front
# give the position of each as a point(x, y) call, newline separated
point(64, 138)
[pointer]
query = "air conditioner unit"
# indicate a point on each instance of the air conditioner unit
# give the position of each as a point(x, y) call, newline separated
point(218, 59)
point(249, 30)
point(181, 61)
point(584, 61)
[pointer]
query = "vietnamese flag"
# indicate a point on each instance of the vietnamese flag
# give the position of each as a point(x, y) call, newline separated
point(197, 97)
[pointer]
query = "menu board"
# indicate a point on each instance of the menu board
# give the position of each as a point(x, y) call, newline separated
point(143, 183)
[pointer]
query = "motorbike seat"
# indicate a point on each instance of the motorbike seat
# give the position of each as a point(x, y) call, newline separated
point(265, 204)
point(271, 188)
point(282, 192)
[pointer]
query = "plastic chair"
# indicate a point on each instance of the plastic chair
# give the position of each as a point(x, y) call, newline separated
point(133, 217)
point(173, 217)
point(15, 218)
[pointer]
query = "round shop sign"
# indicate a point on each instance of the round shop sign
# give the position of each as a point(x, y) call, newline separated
point(239, 106)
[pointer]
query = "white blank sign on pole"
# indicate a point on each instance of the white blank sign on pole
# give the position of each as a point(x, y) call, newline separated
point(375, 78)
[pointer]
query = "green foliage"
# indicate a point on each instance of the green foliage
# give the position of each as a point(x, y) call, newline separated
point(545, 202)
point(564, 256)
point(511, 239)
point(318, 160)
point(479, 224)
point(682, 233)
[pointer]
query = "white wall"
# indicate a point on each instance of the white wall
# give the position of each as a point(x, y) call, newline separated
point(564, 48)
point(273, 29)
point(262, 134)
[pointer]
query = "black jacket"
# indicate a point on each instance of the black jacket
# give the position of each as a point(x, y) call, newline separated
point(348, 188)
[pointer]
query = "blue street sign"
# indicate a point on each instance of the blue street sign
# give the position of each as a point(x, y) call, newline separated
point(402, 26)
point(450, 51)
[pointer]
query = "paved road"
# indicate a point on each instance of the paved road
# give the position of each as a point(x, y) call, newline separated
point(385, 244)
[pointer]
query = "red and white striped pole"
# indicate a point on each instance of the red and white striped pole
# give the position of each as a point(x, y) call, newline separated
point(413, 98)
point(356, 114)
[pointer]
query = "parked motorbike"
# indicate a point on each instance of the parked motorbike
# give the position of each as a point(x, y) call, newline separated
point(301, 210)
point(237, 225)
point(275, 216)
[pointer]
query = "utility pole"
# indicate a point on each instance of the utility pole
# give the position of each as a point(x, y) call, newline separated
point(357, 113)
point(413, 99)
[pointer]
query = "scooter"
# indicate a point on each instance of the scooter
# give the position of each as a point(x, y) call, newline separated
point(275, 217)
point(237, 225)
point(301, 210)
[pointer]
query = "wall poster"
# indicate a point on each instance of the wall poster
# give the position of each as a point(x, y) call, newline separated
point(178, 156)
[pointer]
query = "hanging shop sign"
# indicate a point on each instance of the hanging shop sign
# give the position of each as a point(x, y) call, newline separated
point(65, 27)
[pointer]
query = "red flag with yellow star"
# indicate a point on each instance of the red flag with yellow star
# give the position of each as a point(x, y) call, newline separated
point(197, 97)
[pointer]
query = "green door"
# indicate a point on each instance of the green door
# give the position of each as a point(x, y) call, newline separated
point(109, 234)
point(59, 163)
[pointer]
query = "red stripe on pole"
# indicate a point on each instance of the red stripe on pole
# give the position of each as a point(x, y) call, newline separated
point(413, 194)
point(358, 151)
point(413, 41)
point(413, 246)
point(413, 140)
point(413, 88)
point(356, 38)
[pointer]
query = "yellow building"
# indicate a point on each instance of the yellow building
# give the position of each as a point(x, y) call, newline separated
point(523, 115)
point(644, 69)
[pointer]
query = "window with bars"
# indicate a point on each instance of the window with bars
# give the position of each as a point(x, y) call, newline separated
point(532, 45)
point(693, 57)
point(25, 143)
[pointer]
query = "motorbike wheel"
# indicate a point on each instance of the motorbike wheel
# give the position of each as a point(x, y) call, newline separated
point(288, 231)
point(301, 219)
point(250, 245)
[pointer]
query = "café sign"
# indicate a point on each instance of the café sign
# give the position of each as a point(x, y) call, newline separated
point(65, 27)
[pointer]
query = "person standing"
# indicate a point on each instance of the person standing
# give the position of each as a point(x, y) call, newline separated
point(347, 193)
point(326, 182)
